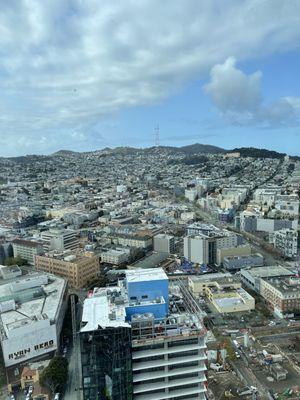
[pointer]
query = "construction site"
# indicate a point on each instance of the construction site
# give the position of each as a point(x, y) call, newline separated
point(256, 365)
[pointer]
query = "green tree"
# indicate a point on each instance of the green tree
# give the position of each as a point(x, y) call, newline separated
point(15, 261)
point(55, 375)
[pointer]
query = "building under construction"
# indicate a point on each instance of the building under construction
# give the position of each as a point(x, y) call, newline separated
point(143, 339)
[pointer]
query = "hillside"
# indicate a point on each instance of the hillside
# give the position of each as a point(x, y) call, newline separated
point(188, 150)
point(257, 153)
point(201, 148)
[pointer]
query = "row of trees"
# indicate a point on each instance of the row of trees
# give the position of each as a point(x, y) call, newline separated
point(15, 261)
point(55, 375)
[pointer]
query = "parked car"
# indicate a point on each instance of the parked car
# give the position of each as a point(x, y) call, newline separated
point(246, 390)
point(237, 354)
point(215, 366)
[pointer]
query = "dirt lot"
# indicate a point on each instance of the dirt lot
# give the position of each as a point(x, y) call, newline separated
point(220, 382)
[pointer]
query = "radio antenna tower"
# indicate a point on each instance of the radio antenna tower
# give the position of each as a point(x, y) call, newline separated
point(156, 136)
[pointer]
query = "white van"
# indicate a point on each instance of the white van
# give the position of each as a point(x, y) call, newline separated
point(215, 366)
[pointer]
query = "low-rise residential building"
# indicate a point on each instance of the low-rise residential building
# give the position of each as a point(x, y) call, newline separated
point(143, 242)
point(115, 256)
point(251, 277)
point(266, 195)
point(247, 220)
point(287, 204)
point(191, 194)
point(286, 241)
point(282, 295)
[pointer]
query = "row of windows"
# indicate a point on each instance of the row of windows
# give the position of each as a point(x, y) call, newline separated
point(183, 342)
point(171, 367)
point(152, 347)
point(186, 353)
point(171, 378)
point(194, 385)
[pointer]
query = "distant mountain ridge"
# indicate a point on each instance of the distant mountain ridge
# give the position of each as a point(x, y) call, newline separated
point(200, 148)
point(188, 150)
point(64, 153)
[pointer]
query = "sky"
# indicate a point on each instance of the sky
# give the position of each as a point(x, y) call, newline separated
point(87, 74)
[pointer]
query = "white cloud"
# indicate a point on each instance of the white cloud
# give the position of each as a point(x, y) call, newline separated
point(239, 98)
point(66, 65)
point(233, 91)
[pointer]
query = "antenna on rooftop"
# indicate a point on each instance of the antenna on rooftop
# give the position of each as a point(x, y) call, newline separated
point(156, 136)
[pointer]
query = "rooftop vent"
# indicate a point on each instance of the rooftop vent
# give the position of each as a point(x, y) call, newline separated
point(112, 316)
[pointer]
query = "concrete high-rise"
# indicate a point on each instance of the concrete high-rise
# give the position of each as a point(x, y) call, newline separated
point(164, 243)
point(59, 240)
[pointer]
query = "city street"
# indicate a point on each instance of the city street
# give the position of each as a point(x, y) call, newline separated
point(74, 382)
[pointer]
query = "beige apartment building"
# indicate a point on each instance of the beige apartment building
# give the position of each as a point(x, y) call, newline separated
point(79, 269)
point(222, 291)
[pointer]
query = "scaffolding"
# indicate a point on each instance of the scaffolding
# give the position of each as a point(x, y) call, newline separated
point(187, 320)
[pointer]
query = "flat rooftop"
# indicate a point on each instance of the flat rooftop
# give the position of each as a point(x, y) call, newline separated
point(246, 257)
point(67, 255)
point(106, 308)
point(163, 236)
point(268, 271)
point(34, 300)
point(286, 285)
point(150, 261)
point(115, 252)
point(142, 275)
point(228, 302)
point(99, 310)
point(239, 297)
point(209, 230)
point(10, 268)
point(210, 277)
point(28, 243)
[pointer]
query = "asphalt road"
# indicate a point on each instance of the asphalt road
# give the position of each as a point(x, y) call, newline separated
point(72, 384)
point(251, 379)
point(72, 391)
